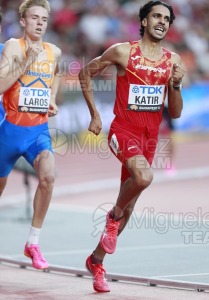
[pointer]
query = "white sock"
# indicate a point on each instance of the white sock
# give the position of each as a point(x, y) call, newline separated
point(33, 236)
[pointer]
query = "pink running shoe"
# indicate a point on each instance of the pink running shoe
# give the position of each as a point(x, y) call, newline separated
point(108, 240)
point(99, 282)
point(38, 261)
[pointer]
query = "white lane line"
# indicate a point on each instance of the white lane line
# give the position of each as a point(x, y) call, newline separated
point(180, 275)
point(88, 251)
point(111, 183)
point(54, 253)
point(119, 249)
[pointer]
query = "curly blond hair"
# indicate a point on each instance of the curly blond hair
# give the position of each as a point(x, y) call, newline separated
point(29, 3)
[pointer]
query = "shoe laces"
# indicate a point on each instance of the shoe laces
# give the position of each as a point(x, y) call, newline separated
point(37, 253)
point(99, 273)
point(112, 228)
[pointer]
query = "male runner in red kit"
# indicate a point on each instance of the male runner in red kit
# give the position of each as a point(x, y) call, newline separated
point(145, 73)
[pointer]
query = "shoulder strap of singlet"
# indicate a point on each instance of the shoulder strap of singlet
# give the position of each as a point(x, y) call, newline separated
point(133, 42)
point(23, 46)
point(50, 54)
point(166, 51)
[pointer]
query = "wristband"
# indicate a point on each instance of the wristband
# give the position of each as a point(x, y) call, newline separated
point(177, 85)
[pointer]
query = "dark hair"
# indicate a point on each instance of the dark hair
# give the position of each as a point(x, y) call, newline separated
point(0, 17)
point(146, 9)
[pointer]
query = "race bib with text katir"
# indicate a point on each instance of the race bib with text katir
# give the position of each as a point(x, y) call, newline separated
point(146, 97)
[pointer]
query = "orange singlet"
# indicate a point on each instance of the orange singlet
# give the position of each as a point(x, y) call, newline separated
point(38, 77)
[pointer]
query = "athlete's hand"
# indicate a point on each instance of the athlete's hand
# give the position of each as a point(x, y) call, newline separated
point(32, 52)
point(177, 73)
point(53, 109)
point(95, 125)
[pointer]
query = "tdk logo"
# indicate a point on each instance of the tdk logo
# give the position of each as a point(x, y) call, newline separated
point(40, 93)
point(143, 89)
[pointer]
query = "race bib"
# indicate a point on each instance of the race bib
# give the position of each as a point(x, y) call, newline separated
point(34, 100)
point(146, 97)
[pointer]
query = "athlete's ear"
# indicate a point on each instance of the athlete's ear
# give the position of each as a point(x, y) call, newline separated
point(144, 22)
point(22, 22)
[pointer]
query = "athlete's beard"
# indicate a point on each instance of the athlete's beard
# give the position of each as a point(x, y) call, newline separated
point(156, 39)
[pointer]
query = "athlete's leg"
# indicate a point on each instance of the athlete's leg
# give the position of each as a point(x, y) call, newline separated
point(127, 213)
point(129, 208)
point(3, 182)
point(10, 144)
point(130, 190)
point(39, 154)
point(138, 176)
point(99, 253)
point(44, 167)
point(141, 177)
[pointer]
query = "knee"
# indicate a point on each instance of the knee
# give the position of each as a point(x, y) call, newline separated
point(47, 180)
point(143, 179)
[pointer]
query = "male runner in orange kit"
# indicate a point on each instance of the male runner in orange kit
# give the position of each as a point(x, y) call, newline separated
point(29, 83)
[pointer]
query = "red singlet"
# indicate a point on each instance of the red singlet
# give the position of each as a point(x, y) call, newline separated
point(140, 96)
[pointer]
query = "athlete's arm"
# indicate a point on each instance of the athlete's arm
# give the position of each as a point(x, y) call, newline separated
point(53, 109)
point(13, 65)
point(175, 100)
point(112, 56)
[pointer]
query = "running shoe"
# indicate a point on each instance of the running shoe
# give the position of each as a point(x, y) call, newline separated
point(98, 273)
point(108, 240)
point(38, 261)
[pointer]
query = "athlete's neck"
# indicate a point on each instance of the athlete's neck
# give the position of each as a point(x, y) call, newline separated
point(151, 50)
point(30, 42)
